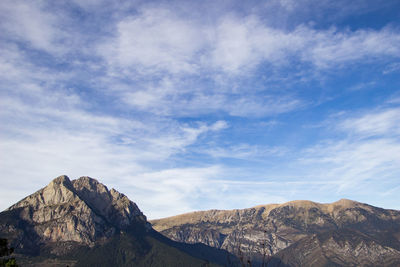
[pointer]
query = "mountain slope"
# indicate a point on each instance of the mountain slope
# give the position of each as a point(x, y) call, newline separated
point(265, 230)
point(342, 247)
point(82, 223)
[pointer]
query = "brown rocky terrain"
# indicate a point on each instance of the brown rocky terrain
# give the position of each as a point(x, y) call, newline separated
point(283, 230)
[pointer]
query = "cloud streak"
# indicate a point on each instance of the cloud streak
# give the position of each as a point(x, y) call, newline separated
point(158, 40)
point(30, 24)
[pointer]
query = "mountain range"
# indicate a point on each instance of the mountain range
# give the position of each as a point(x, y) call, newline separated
point(297, 233)
point(83, 223)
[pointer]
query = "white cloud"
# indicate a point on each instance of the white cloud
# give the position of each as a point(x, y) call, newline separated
point(394, 100)
point(256, 106)
point(288, 4)
point(393, 67)
point(155, 40)
point(336, 47)
point(245, 151)
point(158, 39)
point(27, 21)
point(173, 191)
point(195, 67)
point(219, 125)
point(243, 43)
point(180, 98)
point(369, 155)
point(234, 44)
point(382, 122)
point(354, 163)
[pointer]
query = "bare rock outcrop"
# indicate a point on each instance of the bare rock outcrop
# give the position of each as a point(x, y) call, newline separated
point(82, 211)
point(342, 247)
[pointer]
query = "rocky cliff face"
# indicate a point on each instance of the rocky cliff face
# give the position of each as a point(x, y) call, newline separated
point(268, 229)
point(343, 247)
point(81, 210)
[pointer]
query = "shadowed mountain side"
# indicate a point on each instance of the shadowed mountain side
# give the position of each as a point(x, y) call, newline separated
point(129, 249)
point(200, 251)
point(152, 249)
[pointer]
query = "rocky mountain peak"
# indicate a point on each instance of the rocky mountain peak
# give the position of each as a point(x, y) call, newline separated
point(58, 191)
point(62, 179)
point(90, 184)
point(81, 210)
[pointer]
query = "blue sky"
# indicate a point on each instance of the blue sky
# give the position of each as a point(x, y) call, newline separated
point(193, 105)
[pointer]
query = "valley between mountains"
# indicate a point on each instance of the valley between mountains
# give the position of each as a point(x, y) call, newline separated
point(83, 223)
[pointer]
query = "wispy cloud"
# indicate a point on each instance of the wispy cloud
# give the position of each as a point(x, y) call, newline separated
point(30, 24)
point(393, 67)
point(335, 47)
point(172, 99)
point(245, 151)
point(152, 41)
point(158, 40)
point(367, 156)
point(380, 123)
point(176, 65)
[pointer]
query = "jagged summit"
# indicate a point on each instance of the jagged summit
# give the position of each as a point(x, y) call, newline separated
point(111, 204)
point(58, 191)
point(61, 179)
point(81, 210)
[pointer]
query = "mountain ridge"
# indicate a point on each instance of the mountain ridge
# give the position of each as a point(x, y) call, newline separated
point(266, 230)
point(267, 207)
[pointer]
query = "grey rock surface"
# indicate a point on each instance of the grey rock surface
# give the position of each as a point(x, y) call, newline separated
point(266, 230)
point(81, 210)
